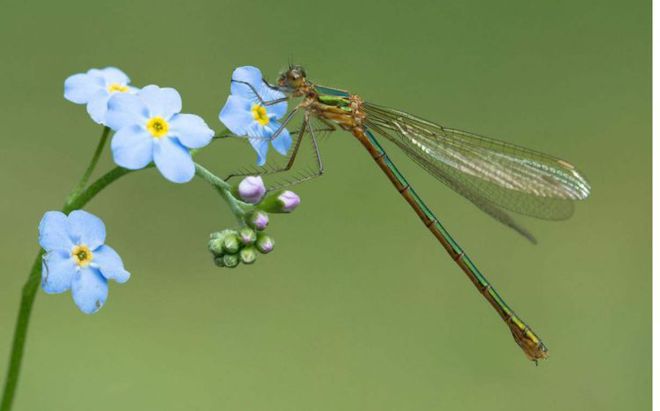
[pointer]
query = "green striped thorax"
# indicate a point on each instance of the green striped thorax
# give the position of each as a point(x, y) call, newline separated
point(336, 101)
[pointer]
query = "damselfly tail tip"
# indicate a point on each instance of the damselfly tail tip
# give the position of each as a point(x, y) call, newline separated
point(530, 343)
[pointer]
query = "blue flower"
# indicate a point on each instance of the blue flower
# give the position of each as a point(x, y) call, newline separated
point(245, 115)
point(77, 258)
point(95, 88)
point(150, 128)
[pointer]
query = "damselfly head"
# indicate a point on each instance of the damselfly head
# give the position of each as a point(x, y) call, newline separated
point(292, 79)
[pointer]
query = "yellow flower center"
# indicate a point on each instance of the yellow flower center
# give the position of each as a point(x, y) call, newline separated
point(157, 126)
point(82, 255)
point(117, 87)
point(260, 115)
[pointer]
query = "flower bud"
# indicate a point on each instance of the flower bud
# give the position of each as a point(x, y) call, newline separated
point(215, 246)
point(251, 189)
point(280, 202)
point(219, 261)
point(231, 244)
point(248, 255)
point(230, 260)
point(217, 240)
point(265, 243)
point(247, 235)
point(258, 220)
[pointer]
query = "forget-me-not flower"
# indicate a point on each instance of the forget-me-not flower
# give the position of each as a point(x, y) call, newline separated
point(244, 114)
point(149, 127)
point(95, 88)
point(77, 259)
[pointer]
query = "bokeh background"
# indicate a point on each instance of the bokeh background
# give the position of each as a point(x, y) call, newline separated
point(358, 308)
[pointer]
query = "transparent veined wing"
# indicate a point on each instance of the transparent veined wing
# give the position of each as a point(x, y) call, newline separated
point(490, 173)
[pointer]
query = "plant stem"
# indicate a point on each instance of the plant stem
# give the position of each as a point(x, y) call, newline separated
point(20, 332)
point(238, 208)
point(90, 168)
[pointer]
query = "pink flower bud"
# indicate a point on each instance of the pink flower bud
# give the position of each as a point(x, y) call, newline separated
point(289, 201)
point(265, 244)
point(258, 220)
point(251, 189)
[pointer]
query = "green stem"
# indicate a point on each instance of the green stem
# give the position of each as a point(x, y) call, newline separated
point(105, 180)
point(92, 165)
point(238, 208)
point(32, 285)
point(20, 332)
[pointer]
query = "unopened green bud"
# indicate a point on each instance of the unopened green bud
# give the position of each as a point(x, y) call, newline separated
point(247, 235)
point(216, 243)
point(248, 255)
point(219, 261)
point(231, 244)
point(215, 246)
point(222, 234)
point(265, 243)
point(230, 260)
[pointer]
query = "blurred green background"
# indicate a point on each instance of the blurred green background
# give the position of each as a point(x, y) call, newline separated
point(358, 308)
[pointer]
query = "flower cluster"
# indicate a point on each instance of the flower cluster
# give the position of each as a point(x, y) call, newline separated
point(253, 110)
point(150, 129)
point(231, 247)
point(148, 122)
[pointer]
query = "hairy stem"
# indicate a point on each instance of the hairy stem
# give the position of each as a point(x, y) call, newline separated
point(238, 208)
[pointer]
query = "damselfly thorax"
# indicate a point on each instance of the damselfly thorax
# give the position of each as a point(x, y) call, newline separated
point(343, 111)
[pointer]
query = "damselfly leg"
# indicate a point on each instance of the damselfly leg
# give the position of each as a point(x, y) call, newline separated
point(261, 100)
point(307, 174)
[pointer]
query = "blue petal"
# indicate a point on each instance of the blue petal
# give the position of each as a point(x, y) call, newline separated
point(163, 102)
point(257, 130)
point(281, 142)
point(132, 147)
point(86, 228)
point(53, 232)
point(57, 272)
point(79, 88)
point(236, 115)
point(191, 130)
point(260, 145)
point(278, 110)
point(114, 75)
point(89, 290)
point(268, 94)
point(173, 160)
point(125, 110)
point(245, 74)
point(110, 264)
point(97, 107)
point(252, 76)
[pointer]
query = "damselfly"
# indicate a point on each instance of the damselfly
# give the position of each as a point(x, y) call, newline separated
point(497, 177)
